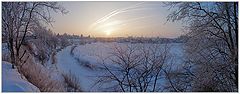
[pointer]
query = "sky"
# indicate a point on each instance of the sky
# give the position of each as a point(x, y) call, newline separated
point(116, 19)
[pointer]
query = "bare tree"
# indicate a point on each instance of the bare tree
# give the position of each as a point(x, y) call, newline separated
point(135, 68)
point(17, 20)
point(46, 43)
point(212, 44)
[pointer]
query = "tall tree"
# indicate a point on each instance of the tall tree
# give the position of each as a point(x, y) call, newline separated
point(212, 44)
point(17, 20)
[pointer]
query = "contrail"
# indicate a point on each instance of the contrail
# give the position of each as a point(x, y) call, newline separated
point(135, 20)
point(138, 19)
point(106, 17)
point(124, 22)
point(115, 12)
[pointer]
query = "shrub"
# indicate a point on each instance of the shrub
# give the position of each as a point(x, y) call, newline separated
point(71, 82)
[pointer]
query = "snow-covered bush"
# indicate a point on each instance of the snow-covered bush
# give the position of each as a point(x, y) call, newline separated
point(63, 39)
point(53, 58)
point(72, 50)
point(5, 52)
point(38, 75)
point(46, 43)
point(5, 57)
point(71, 82)
point(84, 63)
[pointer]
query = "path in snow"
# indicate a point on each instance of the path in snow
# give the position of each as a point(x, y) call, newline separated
point(66, 63)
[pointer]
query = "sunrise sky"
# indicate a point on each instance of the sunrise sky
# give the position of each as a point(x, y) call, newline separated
point(116, 19)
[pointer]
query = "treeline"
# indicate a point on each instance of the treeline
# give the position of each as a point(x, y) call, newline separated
point(180, 39)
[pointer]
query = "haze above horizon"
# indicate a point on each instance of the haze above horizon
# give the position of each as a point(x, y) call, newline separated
point(116, 19)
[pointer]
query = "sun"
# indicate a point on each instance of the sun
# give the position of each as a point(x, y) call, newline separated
point(108, 32)
point(106, 28)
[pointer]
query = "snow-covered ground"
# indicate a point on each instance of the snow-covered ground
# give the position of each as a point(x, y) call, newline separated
point(90, 53)
point(13, 82)
point(67, 63)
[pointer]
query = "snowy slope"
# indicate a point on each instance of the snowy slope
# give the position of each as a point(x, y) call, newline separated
point(12, 81)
